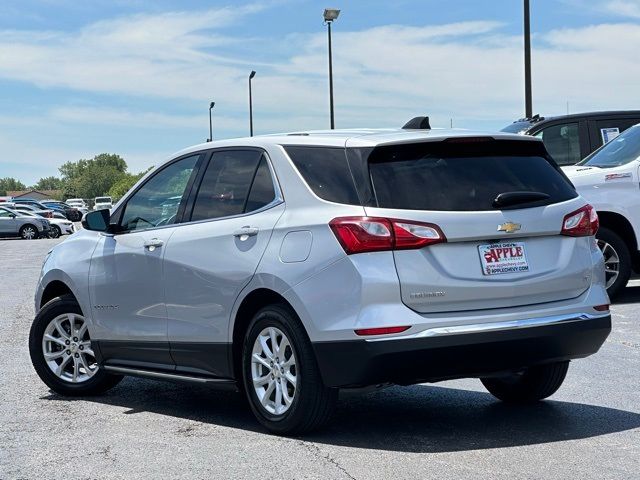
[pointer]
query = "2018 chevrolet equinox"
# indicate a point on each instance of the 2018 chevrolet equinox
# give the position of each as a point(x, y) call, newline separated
point(294, 265)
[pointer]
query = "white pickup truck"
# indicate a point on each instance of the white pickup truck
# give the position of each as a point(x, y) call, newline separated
point(102, 203)
point(609, 179)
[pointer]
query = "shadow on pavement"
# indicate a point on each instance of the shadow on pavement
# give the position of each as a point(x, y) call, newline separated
point(628, 295)
point(405, 419)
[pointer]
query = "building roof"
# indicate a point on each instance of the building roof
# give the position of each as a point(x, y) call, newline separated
point(41, 194)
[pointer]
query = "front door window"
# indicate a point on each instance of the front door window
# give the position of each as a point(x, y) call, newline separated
point(562, 142)
point(156, 203)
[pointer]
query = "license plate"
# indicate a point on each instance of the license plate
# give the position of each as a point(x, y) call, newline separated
point(499, 258)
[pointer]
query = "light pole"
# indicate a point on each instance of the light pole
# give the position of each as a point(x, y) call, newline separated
point(330, 14)
point(528, 101)
point(211, 105)
point(251, 75)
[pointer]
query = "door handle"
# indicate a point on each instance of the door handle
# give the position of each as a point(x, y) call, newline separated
point(245, 232)
point(152, 244)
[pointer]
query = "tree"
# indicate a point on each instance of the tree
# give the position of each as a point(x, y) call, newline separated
point(110, 160)
point(48, 183)
point(89, 178)
point(123, 185)
point(8, 184)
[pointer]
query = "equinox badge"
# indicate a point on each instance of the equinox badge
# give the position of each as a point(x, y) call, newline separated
point(509, 227)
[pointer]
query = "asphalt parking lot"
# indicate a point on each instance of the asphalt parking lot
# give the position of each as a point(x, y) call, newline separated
point(148, 429)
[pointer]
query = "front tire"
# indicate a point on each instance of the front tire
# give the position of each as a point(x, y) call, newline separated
point(61, 350)
point(617, 260)
point(281, 377)
point(28, 232)
point(529, 385)
point(55, 232)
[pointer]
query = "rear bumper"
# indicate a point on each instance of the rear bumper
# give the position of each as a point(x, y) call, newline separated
point(466, 351)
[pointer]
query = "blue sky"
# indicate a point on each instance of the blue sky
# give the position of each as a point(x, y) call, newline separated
point(135, 77)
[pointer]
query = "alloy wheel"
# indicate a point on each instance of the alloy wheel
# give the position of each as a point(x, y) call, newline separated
point(28, 232)
point(611, 262)
point(273, 371)
point(67, 348)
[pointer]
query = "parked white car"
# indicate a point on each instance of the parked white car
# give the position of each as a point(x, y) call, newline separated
point(78, 203)
point(608, 179)
point(102, 203)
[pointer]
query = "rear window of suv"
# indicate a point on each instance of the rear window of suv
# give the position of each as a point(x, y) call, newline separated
point(449, 176)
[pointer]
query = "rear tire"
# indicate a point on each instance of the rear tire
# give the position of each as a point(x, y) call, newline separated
point(617, 260)
point(312, 402)
point(29, 232)
point(88, 382)
point(530, 385)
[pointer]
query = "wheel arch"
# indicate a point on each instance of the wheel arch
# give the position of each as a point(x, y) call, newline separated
point(55, 288)
point(621, 225)
point(247, 308)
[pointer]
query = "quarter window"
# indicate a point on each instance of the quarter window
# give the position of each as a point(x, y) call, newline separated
point(326, 171)
point(156, 203)
point(235, 182)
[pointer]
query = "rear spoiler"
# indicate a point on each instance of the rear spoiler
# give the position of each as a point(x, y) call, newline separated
point(417, 123)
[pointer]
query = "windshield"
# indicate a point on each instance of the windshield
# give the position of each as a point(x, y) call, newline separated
point(517, 127)
point(17, 212)
point(621, 150)
point(103, 200)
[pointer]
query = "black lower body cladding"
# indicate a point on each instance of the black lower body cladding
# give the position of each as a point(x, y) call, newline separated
point(431, 359)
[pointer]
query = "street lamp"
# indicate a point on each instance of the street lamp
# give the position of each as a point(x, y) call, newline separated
point(528, 101)
point(330, 14)
point(211, 105)
point(251, 75)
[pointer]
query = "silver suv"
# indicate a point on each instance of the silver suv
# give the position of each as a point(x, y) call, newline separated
point(14, 223)
point(291, 266)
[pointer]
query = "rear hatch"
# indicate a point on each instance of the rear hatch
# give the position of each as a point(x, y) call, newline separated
point(496, 254)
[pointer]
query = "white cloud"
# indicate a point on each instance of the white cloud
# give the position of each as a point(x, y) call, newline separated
point(469, 71)
point(625, 8)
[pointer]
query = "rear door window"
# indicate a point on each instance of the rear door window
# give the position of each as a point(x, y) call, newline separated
point(234, 183)
point(607, 130)
point(438, 177)
point(562, 142)
point(262, 191)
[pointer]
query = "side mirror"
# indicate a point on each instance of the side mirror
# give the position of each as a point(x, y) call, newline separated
point(97, 221)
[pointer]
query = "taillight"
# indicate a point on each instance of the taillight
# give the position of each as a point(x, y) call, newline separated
point(581, 223)
point(380, 330)
point(375, 234)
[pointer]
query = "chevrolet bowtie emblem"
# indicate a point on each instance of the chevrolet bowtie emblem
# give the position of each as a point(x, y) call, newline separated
point(509, 227)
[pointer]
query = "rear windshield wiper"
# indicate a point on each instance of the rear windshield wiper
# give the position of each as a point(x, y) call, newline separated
point(509, 199)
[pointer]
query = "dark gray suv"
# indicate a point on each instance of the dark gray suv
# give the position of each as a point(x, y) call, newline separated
point(570, 138)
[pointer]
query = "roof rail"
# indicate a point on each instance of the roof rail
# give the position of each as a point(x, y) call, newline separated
point(418, 123)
